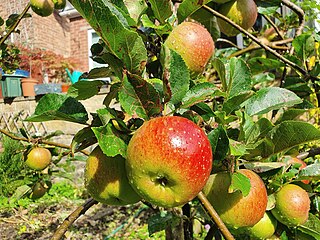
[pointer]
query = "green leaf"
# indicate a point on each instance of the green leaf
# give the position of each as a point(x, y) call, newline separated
point(234, 103)
point(198, 93)
point(55, 106)
point(135, 8)
point(284, 136)
point(259, 130)
point(291, 114)
point(160, 221)
point(161, 9)
point(219, 143)
point(83, 139)
point(268, 99)
point(111, 24)
point(239, 77)
point(82, 90)
point(310, 172)
point(139, 98)
point(99, 72)
point(221, 70)
point(261, 167)
point(113, 93)
point(260, 64)
point(240, 182)
point(311, 227)
point(237, 148)
point(109, 141)
point(179, 77)
point(21, 191)
point(304, 46)
point(160, 29)
point(187, 7)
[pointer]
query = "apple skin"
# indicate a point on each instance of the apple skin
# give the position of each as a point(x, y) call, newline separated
point(39, 189)
point(59, 4)
point(242, 12)
point(43, 8)
point(265, 228)
point(295, 160)
point(169, 160)
point(38, 158)
point(194, 43)
point(235, 210)
point(106, 179)
point(292, 205)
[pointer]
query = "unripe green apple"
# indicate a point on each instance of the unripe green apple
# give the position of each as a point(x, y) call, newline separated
point(194, 43)
point(106, 179)
point(292, 205)
point(265, 228)
point(59, 4)
point(39, 189)
point(236, 210)
point(169, 160)
point(43, 8)
point(38, 158)
point(242, 12)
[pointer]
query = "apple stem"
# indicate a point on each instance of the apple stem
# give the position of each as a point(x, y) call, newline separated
point(215, 216)
point(72, 218)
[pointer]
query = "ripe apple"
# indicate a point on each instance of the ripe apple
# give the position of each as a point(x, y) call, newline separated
point(38, 158)
point(265, 228)
point(59, 4)
point(106, 179)
point(236, 210)
point(43, 8)
point(169, 160)
point(194, 43)
point(242, 12)
point(292, 205)
point(295, 160)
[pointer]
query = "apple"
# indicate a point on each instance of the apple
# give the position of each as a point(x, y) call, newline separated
point(194, 43)
point(242, 12)
point(295, 160)
point(265, 228)
point(292, 205)
point(38, 158)
point(39, 189)
point(169, 160)
point(236, 210)
point(59, 4)
point(43, 8)
point(106, 179)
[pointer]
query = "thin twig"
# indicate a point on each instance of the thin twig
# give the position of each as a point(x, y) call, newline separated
point(229, 42)
point(256, 40)
point(274, 26)
point(72, 218)
point(12, 136)
point(214, 215)
point(13, 27)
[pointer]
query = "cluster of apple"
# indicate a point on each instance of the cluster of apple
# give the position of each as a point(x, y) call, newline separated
point(242, 12)
point(169, 162)
point(39, 158)
point(45, 8)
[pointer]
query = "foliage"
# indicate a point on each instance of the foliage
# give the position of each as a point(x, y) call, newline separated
point(257, 105)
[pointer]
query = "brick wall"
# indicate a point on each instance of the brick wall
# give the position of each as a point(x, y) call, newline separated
point(79, 41)
point(68, 37)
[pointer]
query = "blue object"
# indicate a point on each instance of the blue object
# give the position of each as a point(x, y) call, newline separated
point(17, 73)
point(74, 77)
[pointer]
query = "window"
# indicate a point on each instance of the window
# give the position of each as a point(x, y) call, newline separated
point(92, 39)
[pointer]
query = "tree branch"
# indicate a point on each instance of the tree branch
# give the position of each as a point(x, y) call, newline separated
point(13, 27)
point(214, 215)
point(256, 40)
point(274, 26)
point(10, 135)
point(72, 218)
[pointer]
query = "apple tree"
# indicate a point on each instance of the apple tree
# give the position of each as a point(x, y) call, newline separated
point(257, 106)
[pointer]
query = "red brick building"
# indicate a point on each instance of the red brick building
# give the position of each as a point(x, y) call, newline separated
point(64, 32)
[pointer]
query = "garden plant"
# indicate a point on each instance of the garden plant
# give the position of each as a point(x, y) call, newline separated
point(195, 127)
